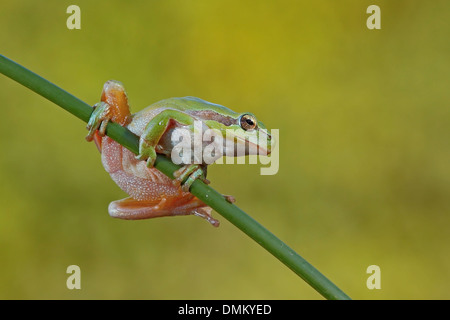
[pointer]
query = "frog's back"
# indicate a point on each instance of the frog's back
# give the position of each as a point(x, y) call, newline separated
point(189, 105)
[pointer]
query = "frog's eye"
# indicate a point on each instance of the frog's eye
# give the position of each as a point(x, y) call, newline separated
point(247, 122)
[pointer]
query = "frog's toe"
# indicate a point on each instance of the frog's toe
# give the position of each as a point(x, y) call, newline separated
point(205, 213)
point(150, 160)
point(230, 199)
point(190, 173)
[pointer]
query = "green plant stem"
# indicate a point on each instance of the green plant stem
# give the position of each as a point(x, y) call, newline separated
point(204, 192)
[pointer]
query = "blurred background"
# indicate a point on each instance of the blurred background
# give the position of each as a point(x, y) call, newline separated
point(364, 120)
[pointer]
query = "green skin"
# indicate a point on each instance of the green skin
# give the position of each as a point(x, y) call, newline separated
point(185, 111)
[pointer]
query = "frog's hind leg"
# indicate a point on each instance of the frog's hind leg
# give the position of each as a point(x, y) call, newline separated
point(112, 107)
point(131, 209)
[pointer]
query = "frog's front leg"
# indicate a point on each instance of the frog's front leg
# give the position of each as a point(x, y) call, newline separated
point(152, 134)
point(155, 129)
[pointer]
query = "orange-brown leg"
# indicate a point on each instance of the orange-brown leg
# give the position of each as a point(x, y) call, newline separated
point(113, 107)
point(115, 96)
point(131, 209)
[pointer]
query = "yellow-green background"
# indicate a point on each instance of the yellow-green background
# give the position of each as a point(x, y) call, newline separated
point(364, 124)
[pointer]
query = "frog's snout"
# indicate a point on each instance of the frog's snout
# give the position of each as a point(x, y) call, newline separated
point(266, 143)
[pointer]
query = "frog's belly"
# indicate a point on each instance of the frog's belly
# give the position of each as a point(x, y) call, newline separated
point(133, 176)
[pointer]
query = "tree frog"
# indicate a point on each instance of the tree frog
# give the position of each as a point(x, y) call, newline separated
point(151, 193)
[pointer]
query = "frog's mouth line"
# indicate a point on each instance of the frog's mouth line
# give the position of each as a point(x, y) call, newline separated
point(234, 144)
point(254, 145)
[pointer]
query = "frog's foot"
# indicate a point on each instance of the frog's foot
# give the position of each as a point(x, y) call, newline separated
point(205, 213)
point(192, 172)
point(147, 152)
point(99, 120)
point(131, 209)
